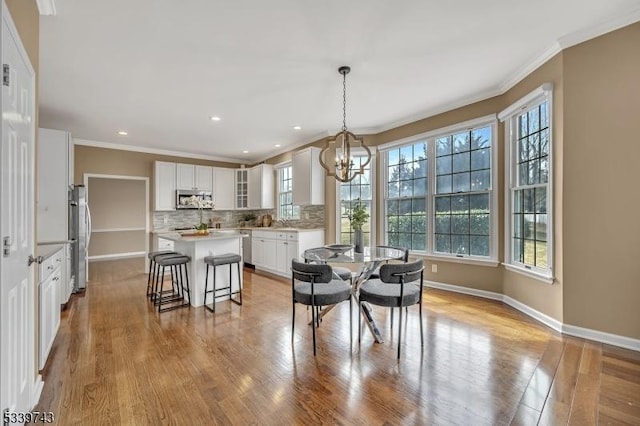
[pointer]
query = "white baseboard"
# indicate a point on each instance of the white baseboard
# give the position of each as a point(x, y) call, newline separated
point(38, 385)
point(602, 337)
point(554, 324)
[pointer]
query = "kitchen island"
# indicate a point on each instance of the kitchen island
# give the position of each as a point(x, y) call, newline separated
point(217, 242)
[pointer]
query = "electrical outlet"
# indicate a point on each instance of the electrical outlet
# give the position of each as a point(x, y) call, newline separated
point(434, 268)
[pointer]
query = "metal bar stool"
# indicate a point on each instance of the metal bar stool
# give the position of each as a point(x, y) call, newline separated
point(176, 296)
point(219, 260)
point(152, 270)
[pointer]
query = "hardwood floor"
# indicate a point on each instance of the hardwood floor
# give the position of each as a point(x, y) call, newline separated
point(117, 361)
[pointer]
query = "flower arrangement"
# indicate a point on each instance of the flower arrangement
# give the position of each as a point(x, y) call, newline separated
point(202, 204)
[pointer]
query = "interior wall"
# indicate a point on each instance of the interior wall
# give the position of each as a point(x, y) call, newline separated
point(602, 199)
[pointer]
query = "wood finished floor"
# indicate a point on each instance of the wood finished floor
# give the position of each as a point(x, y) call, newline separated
point(116, 360)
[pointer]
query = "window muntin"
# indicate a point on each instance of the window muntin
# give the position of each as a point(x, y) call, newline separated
point(407, 177)
point(529, 193)
point(359, 190)
point(286, 209)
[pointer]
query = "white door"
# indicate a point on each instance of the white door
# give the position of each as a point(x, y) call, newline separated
point(17, 310)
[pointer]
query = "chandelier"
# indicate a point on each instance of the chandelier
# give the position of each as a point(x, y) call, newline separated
point(336, 155)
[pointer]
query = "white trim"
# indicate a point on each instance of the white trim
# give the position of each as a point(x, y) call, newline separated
point(118, 230)
point(132, 148)
point(537, 315)
point(465, 290)
point(547, 279)
point(118, 256)
point(529, 67)
point(602, 337)
point(533, 97)
point(453, 259)
point(469, 124)
point(46, 7)
point(554, 324)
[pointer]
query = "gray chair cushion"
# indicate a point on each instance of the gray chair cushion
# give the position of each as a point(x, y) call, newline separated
point(309, 271)
point(223, 259)
point(170, 260)
point(389, 272)
point(384, 294)
point(153, 254)
point(343, 273)
point(325, 294)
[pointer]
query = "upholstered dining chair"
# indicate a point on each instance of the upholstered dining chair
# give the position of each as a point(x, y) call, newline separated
point(399, 285)
point(313, 285)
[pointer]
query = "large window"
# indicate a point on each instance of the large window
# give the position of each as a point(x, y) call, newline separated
point(406, 196)
point(359, 190)
point(286, 209)
point(439, 196)
point(529, 197)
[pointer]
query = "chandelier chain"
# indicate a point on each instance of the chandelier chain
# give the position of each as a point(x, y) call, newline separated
point(344, 102)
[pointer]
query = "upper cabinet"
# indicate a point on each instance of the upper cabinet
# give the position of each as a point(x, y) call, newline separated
point(165, 186)
point(223, 188)
point(189, 176)
point(308, 177)
point(55, 174)
point(242, 188)
point(261, 187)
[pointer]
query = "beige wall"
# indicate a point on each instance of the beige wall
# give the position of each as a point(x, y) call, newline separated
point(601, 183)
point(117, 203)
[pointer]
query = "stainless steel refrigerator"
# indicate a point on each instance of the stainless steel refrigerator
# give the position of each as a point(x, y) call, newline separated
point(79, 235)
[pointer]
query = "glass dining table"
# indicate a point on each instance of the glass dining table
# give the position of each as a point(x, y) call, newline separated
point(368, 261)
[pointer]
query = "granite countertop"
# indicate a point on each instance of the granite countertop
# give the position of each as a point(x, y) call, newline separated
point(216, 234)
point(241, 228)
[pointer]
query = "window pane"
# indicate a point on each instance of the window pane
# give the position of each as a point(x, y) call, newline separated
point(517, 201)
point(443, 244)
point(443, 146)
point(406, 153)
point(461, 142)
point(461, 182)
point(405, 207)
point(518, 252)
point(404, 240)
point(443, 204)
point(534, 171)
point(481, 159)
point(443, 224)
point(479, 246)
point(394, 239)
point(393, 157)
point(461, 162)
point(419, 242)
point(529, 226)
point(534, 120)
point(523, 125)
point(406, 188)
point(544, 170)
point(479, 224)
point(443, 184)
point(459, 224)
point(518, 226)
point(443, 165)
point(393, 190)
point(541, 227)
point(480, 180)
point(528, 200)
point(420, 187)
point(419, 206)
point(481, 138)
point(392, 207)
point(541, 200)
point(418, 224)
point(523, 173)
point(523, 149)
point(460, 244)
point(460, 203)
point(420, 169)
point(479, 202)
point(392, 224)
point(541, 254)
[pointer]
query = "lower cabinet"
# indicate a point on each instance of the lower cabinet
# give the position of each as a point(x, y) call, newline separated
point(272, 250)
point(50, 281)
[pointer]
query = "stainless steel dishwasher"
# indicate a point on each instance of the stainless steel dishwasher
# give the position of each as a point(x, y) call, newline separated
point(246, 246)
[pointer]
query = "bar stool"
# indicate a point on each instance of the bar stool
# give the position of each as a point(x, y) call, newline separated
point(175, 262)
point(219, 260)
point(152, 269)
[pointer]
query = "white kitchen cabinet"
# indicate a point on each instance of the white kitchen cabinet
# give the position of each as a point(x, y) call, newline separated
point(54, 175)
point(242, 188)
point(66, 281)
point(164, 182)
point(308, 177)
point(189, 176)
point(261, 187)
point(49, 277)
point(223, 188)
point(273, 249)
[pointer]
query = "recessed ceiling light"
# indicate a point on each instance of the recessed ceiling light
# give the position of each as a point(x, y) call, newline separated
point(122, 133)
point(297, 128)
point(245, 152)
point(277, 145)
point(214, 118)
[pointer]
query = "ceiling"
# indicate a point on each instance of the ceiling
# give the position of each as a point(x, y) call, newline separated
point(160, 69)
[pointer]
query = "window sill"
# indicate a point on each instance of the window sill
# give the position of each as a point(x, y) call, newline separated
point(547, 279)
point(465, 260)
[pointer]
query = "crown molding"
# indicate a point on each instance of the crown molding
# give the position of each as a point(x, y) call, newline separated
point(46, 7)
point(607, 25)
point(123, 147)
point(522, 72)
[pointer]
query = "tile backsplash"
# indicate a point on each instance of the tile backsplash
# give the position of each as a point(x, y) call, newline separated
point(310, 217)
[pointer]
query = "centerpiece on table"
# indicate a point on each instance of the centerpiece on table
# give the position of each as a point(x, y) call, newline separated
point(202, 227)
point(358, 216)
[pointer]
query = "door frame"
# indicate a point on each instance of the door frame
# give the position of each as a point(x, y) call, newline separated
point(147, 212)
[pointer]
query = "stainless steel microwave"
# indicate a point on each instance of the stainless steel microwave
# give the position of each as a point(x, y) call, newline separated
point(189, 199)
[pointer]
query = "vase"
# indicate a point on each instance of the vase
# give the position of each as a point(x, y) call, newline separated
point(358, 240)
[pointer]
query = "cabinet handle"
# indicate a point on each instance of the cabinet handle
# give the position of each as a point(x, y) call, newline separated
point(55, 278)
point(49, 268)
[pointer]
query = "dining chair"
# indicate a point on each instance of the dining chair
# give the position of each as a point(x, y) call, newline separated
point(313, 285)
point(375, 275)
point(399, 285)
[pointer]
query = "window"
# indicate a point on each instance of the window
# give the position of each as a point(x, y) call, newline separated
point(528, 221)
point(359, 190)
point(286, 209)
point(406, 196)
point(463, 188)
point(439, 195)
